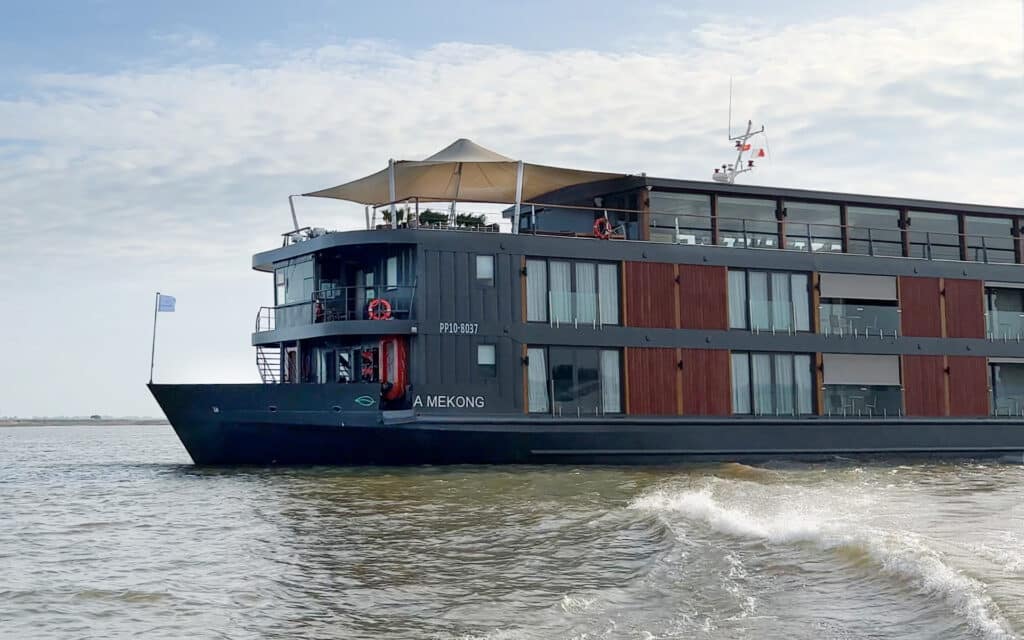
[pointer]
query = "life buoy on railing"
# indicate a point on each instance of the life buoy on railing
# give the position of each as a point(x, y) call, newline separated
point(379, 309)
point(394, 364)
point(603, 228)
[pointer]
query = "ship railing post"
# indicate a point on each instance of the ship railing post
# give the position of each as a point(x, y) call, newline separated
point(928, 243)
point(743, 227)
point(810, 239)
point(675, 238)
point(984, 250)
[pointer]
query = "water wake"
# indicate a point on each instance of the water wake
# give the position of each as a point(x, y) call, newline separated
point(835, 525)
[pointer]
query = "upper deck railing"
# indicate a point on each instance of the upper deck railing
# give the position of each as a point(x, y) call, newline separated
point(340, 303)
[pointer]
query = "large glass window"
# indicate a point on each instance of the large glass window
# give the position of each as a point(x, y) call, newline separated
point(873, 231)
point(1004, 308)
point(935, 236)
point(295, 283)
point(772, 384)
point(582, 381)
point(683, 218)
point(564, 292)
point(814, 227)
point(863, 305)
point(769, 301)
point(1007, 388)
point(747, 222)
point(862, 385)
point(989, 239)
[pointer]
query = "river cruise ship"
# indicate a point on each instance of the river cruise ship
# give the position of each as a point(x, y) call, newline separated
point(623, 319)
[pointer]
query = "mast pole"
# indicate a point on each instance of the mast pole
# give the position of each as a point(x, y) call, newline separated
point(391, 192)
point(295, 219)
point(152, 348)
point(519, 197)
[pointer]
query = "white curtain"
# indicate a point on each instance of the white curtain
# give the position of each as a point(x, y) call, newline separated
point(761, 367)
point(561, 292)
point(608, 291)
point(740, 383)
point(801, 305)
point(783, 384)
point(737, 299)
point(781, 302)
point(611, 389)
point(804, 386)
point(537, 376)
point(536, 291)
point(586, 292)
point(759, 316)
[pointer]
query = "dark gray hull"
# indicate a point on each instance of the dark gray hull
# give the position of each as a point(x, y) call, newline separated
point(325, 424)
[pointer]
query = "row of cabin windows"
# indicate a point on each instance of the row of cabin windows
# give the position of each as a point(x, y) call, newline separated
point(572, 292)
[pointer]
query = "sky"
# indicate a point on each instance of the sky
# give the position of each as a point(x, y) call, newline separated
point(151, 146)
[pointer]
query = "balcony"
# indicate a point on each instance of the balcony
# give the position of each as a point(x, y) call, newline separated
point(340, 304)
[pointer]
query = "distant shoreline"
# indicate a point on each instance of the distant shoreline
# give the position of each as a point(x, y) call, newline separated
point(79, 422)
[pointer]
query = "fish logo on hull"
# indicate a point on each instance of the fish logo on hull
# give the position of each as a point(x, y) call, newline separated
point(365, 401)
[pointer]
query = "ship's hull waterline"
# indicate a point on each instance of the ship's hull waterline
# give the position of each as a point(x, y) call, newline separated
point(326, 424)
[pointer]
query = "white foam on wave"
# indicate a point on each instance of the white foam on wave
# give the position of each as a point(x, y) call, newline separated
point(831, 523)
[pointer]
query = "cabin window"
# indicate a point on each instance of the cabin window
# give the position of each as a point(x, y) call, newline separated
point(769, 300)
point(862, 385)
point(989, 239)
point(683, 218)
point(935, 236)
point(564, 292)
point(485, 269)
point(1007, 381)
point(486, 360)
point(873, 231)
point(747, 222)
point(295, 283)
point(858, 305)
point(772, 384)
point(582, 381)
point(391, 273)
point(1004, 309)
point(813, 227)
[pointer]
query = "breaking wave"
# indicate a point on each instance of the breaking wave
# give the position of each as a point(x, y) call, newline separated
point(900, 554)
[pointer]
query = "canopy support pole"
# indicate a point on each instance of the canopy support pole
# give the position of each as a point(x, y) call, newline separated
point(391, 192)
point(519, 197)
point(295, 219)
point(366, 214)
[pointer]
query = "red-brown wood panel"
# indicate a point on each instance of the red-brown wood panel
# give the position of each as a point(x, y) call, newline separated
point(921, 307)
point(968, 386)
point(965, 308)
point(924, 385)
point(703, 299)
point(649, 295)
point(706, 382)
point(652, 375)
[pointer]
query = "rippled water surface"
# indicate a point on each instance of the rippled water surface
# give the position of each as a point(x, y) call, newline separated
point(110, 532)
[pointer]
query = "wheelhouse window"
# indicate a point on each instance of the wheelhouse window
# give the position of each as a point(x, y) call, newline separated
point(572, 292)
point(989, 239)
point(748, 222)
point(485, 269)
point(813, 227)
point(935, 236)
point(772, 384)
point(769, 300)
point(572, 381)
point(873, 231)
point(681, 218)
point(487, 360)
point(858, 305)
point(862, 385)
point(391, 273)
point(1004, 311)
point(294, 282)
point(1007, 382)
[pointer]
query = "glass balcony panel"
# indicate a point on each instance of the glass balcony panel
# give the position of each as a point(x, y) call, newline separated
point(863, 400)
point(860, 318)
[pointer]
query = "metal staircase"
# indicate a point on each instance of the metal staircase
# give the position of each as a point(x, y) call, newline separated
point(268, 361)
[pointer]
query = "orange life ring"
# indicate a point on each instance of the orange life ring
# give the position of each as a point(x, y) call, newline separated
point(602, 228)
point(379, 309)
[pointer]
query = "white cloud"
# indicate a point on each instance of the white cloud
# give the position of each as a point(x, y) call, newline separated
point(173, 174)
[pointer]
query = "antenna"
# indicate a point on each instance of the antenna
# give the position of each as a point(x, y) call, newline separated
point(727, 172)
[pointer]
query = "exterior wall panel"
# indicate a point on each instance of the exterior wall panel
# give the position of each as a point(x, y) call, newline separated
point(924, 385)
point(653, 376)
point(968, 386)
point(706, 382)
point(649, 294)
point(965, 308)
point(703, 297)
point(920, 303)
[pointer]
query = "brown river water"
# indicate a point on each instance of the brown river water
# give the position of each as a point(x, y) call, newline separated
point(109, 532)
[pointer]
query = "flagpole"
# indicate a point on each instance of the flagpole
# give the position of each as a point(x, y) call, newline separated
point(152, 350)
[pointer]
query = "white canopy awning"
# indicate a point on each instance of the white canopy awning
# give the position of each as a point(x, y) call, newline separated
point(461, 172)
